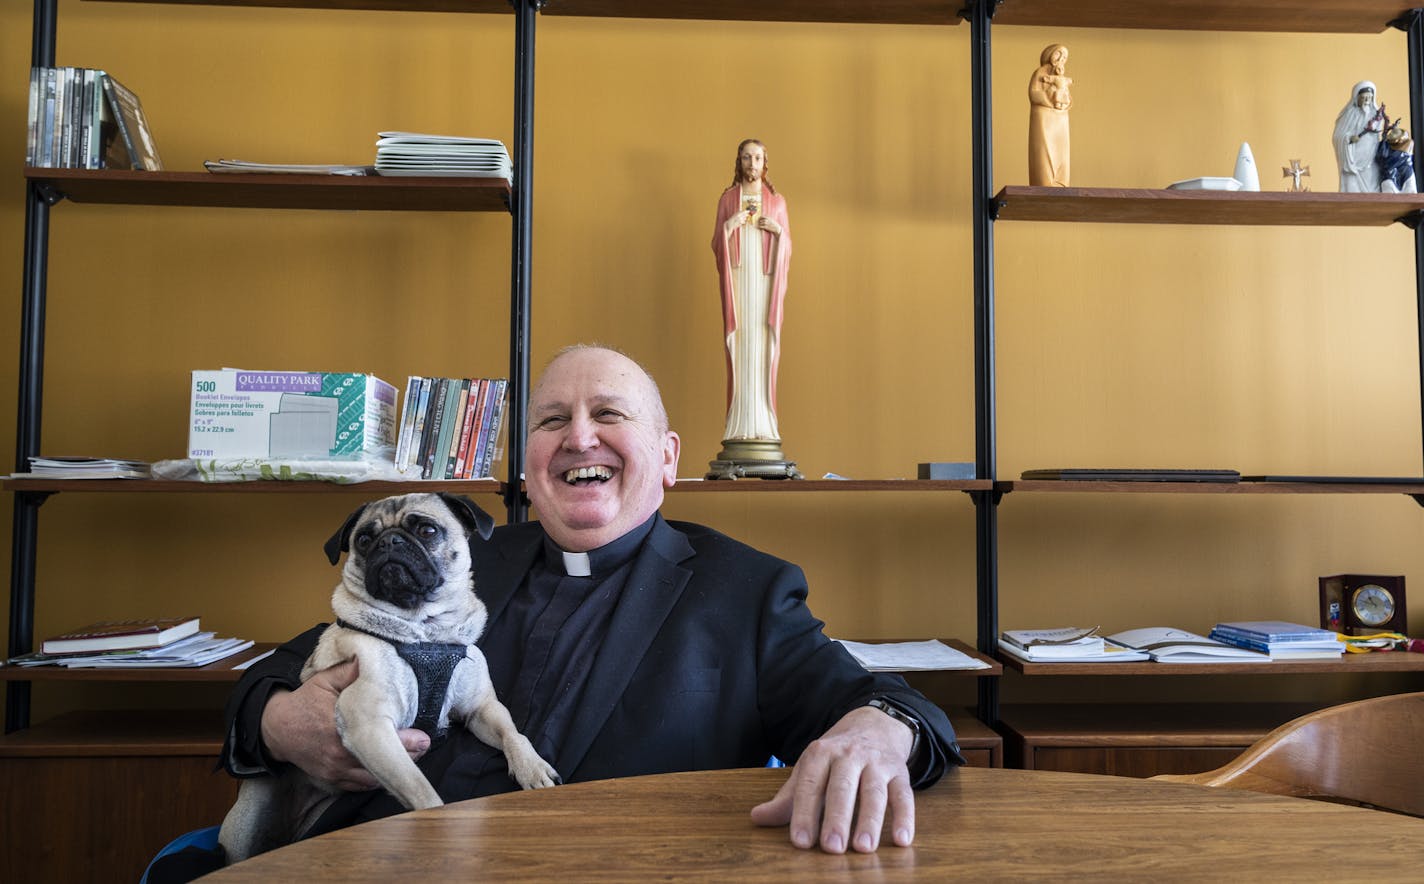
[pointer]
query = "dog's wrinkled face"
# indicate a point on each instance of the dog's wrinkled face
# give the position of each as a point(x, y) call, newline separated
point(404, 549)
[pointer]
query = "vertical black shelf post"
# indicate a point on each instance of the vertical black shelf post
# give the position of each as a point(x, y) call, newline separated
point(27, 420)
point(986, 503)
point(1412, 23)
point(525, 11)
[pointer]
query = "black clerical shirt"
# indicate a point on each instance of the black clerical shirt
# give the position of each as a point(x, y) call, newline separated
point(542, 646)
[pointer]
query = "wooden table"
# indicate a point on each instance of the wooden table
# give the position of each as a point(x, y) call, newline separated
point(975, 825)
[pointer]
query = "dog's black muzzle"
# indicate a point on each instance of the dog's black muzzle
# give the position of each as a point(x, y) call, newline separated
point(400, 571)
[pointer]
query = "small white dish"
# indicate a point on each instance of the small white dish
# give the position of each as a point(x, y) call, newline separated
point(1206, 184)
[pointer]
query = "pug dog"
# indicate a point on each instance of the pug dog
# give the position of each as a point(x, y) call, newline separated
point(406, 609)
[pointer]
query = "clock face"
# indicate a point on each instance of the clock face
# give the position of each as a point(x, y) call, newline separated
point(1373, 604)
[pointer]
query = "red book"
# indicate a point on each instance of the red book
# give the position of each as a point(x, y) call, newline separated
point(122, 635)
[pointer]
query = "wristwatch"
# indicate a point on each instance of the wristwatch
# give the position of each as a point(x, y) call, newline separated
point(904, 718)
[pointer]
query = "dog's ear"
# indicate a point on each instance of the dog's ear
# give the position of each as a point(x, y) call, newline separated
point(469, 513)
point(340, 542)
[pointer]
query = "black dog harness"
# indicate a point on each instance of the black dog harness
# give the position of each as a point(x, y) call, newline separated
point(433, 664)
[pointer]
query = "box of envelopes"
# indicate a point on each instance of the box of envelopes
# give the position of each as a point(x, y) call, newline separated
point(290, 415)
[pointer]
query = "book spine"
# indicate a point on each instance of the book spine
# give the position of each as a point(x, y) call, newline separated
point(76, 121)
point(1274, 638)
point(407, 422)
point(477, 435)
point(32, 141)
point(432, 429)
point(1241, 641)
point(441, 440)
point(501, 427)
point(481, 438)
point(432, 400)
point(467, 430)
point(60, 148)
point(458, 429)
point(447, 430)
point(86, 131)
point(51, 94)
point(96, 123)
point(111, 93)
point(496, 406)
point(417, 433)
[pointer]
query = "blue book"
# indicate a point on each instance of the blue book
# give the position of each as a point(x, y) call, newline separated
point(1274, 631)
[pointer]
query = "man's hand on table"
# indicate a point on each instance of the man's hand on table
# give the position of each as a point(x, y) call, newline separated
point(856, 770)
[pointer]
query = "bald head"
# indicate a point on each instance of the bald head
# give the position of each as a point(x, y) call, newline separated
point(599, 452)
point(654, 394)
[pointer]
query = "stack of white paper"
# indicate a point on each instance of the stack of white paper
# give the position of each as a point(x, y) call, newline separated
point(198, 649)
point(243, 167)
point(918, 656)
point(411, 153)
point(84, 468)
point(195, 650)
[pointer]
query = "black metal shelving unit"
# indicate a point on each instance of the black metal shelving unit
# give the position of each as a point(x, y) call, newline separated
point(987, 492)
point(1106, 205)
point(43, 191)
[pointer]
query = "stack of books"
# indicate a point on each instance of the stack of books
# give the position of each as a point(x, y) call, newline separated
point(82, 118)
point(450, 427)
point(1281, 640)
point(133, 644)
point(410, 153)
point(1066, 645)
point(84, 468)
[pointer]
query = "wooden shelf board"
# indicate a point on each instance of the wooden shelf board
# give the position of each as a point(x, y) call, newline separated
point(1143, 206)
point(1060, 486)
point(479, 486)
point(1353, 664)
point(915, 12)
point(971, 732)
point(795, 485)
point(1148, 724)
point(466, 6)
point(221, 671)
point(141, 486)
point(111, 733)
point(1323, 16)
point(342, 192)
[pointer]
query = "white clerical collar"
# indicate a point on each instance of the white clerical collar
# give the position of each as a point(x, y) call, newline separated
point(576, 564)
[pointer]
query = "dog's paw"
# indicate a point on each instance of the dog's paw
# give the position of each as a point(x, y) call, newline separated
point(534, 773)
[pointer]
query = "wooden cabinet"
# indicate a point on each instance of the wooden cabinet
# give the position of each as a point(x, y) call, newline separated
point(92, 797)
point(1136, 740)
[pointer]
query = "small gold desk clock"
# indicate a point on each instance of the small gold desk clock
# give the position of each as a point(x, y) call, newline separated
point(1359, 604)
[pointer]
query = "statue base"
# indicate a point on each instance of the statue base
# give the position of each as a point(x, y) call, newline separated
point(752, 459)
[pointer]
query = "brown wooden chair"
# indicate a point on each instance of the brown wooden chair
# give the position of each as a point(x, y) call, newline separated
point(1366, 752)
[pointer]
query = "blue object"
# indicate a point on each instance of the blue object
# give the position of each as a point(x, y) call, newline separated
point(207, 839)
point(773, 761)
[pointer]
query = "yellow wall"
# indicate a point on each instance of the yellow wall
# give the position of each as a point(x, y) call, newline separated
point(1282, 350)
